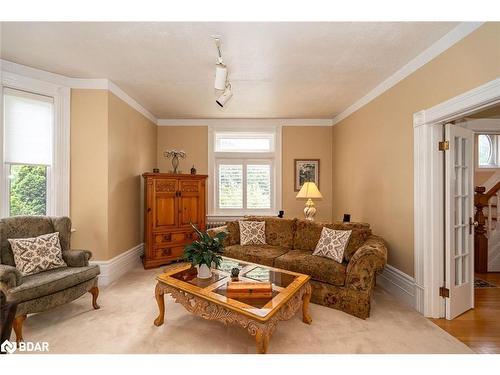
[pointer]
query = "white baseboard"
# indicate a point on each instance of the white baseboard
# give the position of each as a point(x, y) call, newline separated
point(399, 284)
point(113, 269)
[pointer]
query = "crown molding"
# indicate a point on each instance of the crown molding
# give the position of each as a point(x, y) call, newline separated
point(76, 83)
point(469, 102)
point(448, 40)
point(244, 122)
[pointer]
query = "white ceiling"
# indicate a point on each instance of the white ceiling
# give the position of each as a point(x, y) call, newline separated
point(277, 70)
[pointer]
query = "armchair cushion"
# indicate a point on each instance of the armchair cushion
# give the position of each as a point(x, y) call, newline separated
point(10, 276)
point(52, 281)
point(77, 258)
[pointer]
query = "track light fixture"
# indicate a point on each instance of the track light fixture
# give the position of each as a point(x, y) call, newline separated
point(226, 95)
point(221, 76)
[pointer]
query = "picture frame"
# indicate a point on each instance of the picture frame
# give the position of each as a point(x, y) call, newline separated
point(305, 170)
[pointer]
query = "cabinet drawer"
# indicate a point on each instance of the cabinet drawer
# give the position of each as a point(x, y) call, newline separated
point(173, 237)
point(168, 252)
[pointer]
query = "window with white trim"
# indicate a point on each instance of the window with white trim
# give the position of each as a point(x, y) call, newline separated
point(488, 147)
point(34, 147)
point(245, 174)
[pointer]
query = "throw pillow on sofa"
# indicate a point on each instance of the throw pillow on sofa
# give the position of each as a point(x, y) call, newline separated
point(252, 232)
point(37, 254)
point(332, 243)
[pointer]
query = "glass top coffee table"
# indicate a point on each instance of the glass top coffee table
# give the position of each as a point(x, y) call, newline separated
point(207, 297)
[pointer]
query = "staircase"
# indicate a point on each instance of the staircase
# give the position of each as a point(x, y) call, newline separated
point(487, 232)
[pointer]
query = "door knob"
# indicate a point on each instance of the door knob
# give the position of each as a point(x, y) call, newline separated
point(472, 223)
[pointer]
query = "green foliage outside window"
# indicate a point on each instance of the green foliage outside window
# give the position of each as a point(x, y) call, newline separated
point(28, 190)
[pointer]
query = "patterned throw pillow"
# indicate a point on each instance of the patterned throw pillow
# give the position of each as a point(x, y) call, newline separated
point(37, 254)
point(332, 243)
point(252, 232)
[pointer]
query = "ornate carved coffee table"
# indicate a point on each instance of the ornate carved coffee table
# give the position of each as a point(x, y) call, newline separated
point(207, 297)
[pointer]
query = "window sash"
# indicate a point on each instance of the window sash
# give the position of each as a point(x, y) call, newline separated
point(58, 173)
point(494, 160)
point(227, 135)
point(28, 128)
point(245, 210)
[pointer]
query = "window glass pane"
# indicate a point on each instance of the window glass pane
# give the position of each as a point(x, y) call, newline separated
point(485, 148)
point(28, 122)
point(28, 190)
point(230, 186)
point(243, 143)
point(258, 186)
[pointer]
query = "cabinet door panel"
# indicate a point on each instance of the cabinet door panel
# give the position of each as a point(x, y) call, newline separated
point(165, 204)
point(189, 211)
point(191, 199)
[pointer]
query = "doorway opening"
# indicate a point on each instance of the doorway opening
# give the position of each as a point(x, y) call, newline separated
point(479, 326)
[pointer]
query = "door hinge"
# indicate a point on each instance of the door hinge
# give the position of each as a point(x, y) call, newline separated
point(444, 292)
point(444, 146)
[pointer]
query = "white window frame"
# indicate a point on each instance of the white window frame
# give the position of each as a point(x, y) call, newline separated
point(244, 158)
point(58, 174)
point(495, 145)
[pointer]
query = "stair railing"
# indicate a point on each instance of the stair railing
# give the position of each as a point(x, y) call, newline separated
point(484, 224)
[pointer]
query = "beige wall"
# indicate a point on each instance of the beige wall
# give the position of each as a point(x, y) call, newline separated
point(313, 142)
point(192, 139)
point(131, 152)
point(307, 142)
point(373, 148)
point(89, 171)
point(480, 177)
point(111, 146)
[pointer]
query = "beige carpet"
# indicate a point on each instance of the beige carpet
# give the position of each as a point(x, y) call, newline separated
point(124, 324)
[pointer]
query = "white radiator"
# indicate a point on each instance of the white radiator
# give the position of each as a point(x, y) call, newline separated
point(219, 221)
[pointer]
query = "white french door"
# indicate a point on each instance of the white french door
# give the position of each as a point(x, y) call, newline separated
point(459, 229)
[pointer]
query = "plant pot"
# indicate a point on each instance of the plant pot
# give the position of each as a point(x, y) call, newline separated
point(204, 272)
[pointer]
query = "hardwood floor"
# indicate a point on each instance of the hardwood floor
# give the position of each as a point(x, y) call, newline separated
point(479, 328)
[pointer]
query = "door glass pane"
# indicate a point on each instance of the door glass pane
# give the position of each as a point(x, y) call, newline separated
point(463, 150)
point(465, 238)
point(458, 271)
point(456, 180)
point(465, 269)
point(465, 182)
point(457, 150)
point(27, 190)
point(259, 186)
point(457, 211)
point(457, 240)
point(231, 186)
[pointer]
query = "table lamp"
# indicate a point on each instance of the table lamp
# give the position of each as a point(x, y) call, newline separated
point(309, 191)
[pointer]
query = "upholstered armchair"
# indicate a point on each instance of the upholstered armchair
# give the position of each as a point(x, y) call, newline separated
point(45, 290)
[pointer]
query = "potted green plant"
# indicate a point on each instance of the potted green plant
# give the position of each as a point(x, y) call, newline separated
point(205, 252)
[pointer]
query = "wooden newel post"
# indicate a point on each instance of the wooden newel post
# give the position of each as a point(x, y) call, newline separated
point(480, 239)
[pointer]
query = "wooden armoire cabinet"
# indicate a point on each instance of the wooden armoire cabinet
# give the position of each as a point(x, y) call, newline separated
point(172, 202)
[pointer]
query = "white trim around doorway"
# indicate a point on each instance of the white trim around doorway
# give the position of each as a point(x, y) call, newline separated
point(428, 191)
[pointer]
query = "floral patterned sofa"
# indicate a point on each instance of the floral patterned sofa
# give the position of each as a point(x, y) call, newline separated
point(345, 286)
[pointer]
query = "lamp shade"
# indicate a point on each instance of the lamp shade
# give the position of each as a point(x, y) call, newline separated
point(309, 190)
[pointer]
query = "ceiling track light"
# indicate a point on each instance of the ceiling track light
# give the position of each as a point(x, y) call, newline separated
point(226, 95)
point(221, 76)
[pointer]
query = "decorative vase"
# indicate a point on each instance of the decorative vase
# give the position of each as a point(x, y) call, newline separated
point(193, 170)
point(204, 271)
point(175, 163)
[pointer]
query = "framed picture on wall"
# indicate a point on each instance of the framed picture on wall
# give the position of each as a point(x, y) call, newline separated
point(306, 170)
